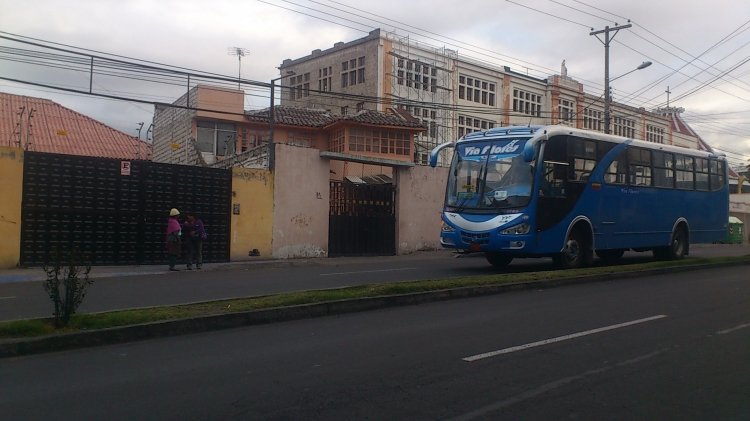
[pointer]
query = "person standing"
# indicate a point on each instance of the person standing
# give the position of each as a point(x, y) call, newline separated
point(195, 233)
point(173, 238)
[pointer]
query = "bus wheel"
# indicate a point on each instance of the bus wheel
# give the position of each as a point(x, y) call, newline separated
point(498, 260)
point(677, 249)
point(610, 256)
point(577, 252)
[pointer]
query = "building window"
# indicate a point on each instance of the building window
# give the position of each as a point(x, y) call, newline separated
point(353, 72)
point(304, 139)
point(527, 103)
point(336, 141)
point(253, 138)
point(623, 127)
point(567, 111)
point(299, 86)
point(325, 76)
point(469, 124)
point(344, 110)
point(654, 133)
point(360, 106)
point(476, 90)
point(592, 119)
point(217, 138)
point(380, 141)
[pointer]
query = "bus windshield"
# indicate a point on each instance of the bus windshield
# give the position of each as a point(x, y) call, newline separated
point(489, 175)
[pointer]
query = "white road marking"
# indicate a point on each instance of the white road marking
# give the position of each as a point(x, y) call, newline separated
point(7, 298)
point(725, 331)
point(365, 271)
point(559, 339)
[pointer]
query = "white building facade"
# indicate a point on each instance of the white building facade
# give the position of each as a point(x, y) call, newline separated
point(455, 95)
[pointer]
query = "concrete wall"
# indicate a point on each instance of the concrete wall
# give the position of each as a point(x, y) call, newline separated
point(173, 130)
point(301, 203)
point(252, 213)
point(420, 192)
point(11, 174)
point(739, 206)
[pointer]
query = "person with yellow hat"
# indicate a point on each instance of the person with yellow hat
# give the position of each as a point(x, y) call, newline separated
point(174, 238)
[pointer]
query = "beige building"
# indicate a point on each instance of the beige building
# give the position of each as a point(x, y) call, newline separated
point(454, 95)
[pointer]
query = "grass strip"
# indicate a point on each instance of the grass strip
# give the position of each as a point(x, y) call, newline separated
point(93, 321)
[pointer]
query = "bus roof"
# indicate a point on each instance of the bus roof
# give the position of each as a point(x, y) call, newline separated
point(540, 133)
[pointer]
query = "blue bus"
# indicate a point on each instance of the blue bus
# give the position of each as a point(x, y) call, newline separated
point(565, 193)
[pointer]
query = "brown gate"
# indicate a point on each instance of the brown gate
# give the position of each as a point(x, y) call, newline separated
point(362, 219)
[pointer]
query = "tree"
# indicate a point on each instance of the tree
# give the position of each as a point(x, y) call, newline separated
point(67, 283)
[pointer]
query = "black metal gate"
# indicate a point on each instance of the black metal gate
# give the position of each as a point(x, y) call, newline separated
point(114, 212)
point(362, 219)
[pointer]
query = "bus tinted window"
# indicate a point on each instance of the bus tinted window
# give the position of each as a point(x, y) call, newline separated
point(663, 169)
point(584, 157)
point(701, 174)
point(640, 166)
point(684, 172)
point(717, 175)
point(617, 170)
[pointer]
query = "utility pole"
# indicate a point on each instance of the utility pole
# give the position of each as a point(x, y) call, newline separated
point(609, 35)
point(668, 92)
point(239, 52)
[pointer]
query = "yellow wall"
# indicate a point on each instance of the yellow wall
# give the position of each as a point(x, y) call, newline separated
point(11, 174)
point(252, 191)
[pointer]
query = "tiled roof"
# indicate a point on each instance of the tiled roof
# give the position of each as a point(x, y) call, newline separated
point(293, 116)
point(57, 129)
point(305, 117)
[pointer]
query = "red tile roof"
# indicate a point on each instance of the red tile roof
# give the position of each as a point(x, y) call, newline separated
point(57, 129)
point(305, 117)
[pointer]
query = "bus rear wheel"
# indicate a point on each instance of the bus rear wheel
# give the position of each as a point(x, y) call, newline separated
point(610, 256)
point(498, 260)
point(577, 252)
point(677, 248)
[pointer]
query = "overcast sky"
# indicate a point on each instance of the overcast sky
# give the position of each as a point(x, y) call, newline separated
point(532, 36)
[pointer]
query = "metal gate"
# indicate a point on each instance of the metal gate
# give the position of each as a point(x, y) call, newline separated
point(114, 212)
point(362, 219)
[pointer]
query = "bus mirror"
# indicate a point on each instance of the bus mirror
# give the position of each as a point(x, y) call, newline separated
point(435, 153)
point(529, 151)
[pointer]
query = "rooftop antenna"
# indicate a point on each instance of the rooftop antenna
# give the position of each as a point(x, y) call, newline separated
point(239, 52)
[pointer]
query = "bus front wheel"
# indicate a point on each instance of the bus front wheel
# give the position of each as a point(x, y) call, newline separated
point(498, 260)
point(577, 252)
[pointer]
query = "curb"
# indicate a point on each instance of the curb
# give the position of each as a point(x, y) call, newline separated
point(118, 335)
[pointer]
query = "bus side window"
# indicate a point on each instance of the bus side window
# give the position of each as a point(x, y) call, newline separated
point(617, 170)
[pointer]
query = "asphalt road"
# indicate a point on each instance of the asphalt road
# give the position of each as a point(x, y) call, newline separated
point(22, 300)
point(659, 347)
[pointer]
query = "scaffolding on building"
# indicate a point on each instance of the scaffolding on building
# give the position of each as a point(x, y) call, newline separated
point(423, 83)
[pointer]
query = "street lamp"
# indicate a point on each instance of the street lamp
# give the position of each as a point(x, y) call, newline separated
point(608, 96)
point(272, 120)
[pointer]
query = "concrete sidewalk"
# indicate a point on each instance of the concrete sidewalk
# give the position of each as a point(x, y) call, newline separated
point(32, 274)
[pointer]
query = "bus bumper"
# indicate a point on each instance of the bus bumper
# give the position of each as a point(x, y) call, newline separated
point(485, 242)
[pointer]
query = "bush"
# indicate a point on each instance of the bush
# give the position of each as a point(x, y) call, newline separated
point(66, 284)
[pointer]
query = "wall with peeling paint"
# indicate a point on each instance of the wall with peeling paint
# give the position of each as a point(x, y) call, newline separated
point(420, 192)
point(252, 213)
point(301, 202)
point(11, 187)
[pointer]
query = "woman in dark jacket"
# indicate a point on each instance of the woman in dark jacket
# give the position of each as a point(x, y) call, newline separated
point(195, 233)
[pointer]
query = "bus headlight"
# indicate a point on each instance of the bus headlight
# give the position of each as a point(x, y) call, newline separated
point(445, 227)
point(517, 229)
